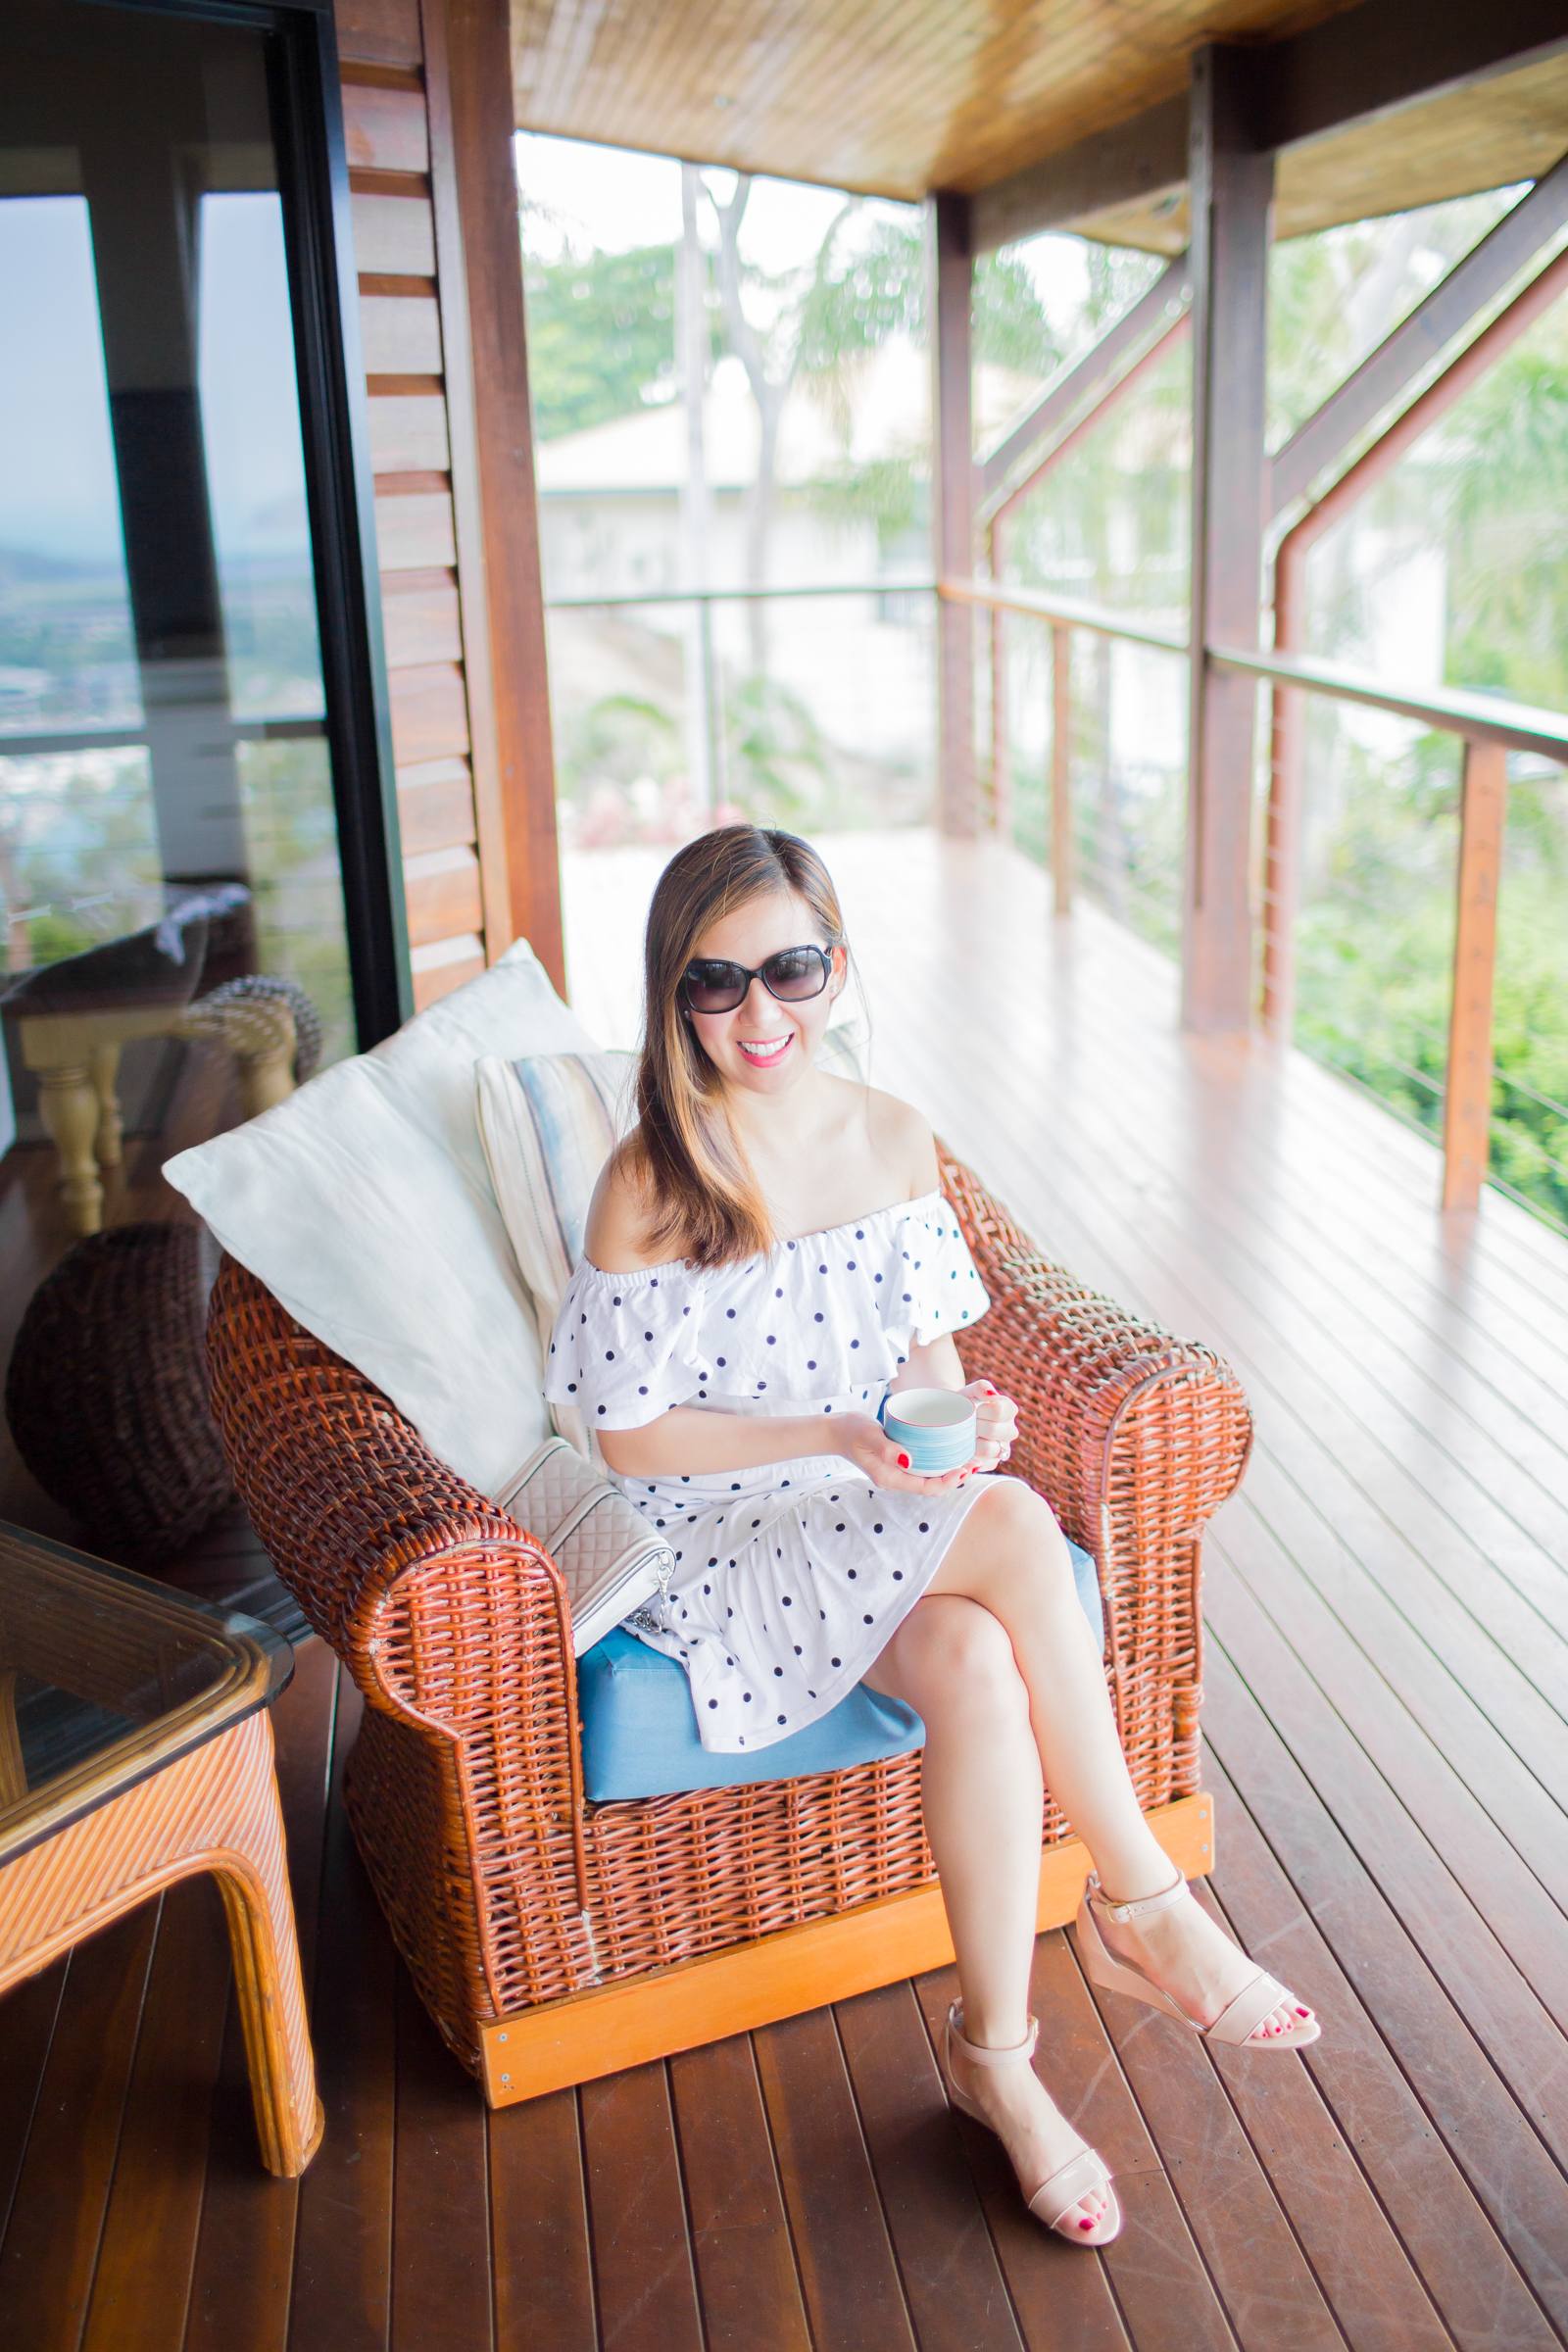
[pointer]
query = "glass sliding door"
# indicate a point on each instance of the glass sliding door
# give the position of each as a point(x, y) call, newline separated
point(189, 759)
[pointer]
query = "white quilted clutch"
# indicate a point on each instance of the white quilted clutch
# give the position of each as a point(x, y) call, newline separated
point(609, 1559)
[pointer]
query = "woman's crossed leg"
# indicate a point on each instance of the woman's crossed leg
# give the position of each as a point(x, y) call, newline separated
point(999, 1662)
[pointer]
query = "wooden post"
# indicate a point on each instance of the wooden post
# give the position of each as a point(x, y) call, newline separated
point(1001, 740)
point(479, 62)
point(1467, 1097)
point(1232, 188)
point(1061, 832)
point(953, 507)
point(1286, 785)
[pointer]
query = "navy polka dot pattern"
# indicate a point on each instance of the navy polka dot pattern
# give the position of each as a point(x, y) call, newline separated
point(823, 1326)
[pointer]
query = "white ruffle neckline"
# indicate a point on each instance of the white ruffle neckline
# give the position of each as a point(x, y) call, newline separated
point(797, 1241)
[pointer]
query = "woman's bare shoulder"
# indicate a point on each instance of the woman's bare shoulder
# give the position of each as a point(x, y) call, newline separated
point(620, 1235)
point(902, 1137)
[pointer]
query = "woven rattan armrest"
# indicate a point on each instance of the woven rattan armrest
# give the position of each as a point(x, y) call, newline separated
point(1135, 1437)
point(370, 1532)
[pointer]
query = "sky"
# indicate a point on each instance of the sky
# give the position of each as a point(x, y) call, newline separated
point(58, 492)
point(609, 198)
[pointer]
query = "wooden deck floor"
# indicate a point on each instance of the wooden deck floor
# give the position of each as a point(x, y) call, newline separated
point(1387, 1686)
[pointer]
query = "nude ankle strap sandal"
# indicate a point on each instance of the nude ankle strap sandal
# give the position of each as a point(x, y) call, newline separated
point(1082, 2175)
point(1234, 2023)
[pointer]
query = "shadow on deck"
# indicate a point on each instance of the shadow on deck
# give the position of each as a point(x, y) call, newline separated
point(1387, 1680)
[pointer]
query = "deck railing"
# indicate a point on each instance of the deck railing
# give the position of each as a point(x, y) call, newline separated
point(759, 706)
point(1487, 727)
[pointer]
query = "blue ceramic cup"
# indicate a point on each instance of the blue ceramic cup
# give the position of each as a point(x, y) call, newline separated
point(934, 1427)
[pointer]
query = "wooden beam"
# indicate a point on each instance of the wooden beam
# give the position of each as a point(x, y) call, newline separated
point(1085, 381)
point(633, 2019)
point(1467, 1098)
point(1002, 808)
point(1139, 159)
point(1403, 356)
point(953, 505)
point(1373, 60)
point(1232, 195)
point(1379, 59)
point(1090, 422)
point(479, 53)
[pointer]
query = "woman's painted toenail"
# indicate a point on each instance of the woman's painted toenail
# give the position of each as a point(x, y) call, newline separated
point(1086, 2225)
point(1303, 2012)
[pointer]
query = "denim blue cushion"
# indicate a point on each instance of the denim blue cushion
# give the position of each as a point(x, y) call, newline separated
point(639, 1733)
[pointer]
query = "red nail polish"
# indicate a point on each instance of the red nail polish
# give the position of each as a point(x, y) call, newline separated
point(1086, 2225)
point(904, 1461)
point(1303, 2012)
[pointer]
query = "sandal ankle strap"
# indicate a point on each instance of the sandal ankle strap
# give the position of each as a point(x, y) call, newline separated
point(979, 2056)
point(1149, 1903)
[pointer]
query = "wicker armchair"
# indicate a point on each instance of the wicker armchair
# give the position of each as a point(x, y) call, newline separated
point(530, 1921)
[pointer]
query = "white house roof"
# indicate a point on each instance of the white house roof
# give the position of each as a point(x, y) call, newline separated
point(647, 451)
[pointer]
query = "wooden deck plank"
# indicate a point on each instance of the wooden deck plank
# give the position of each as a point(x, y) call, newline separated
point(26, 2035)
point(1477, 1972)
point(1259, 2273)
point(1156, 2270)
point(1499, 1830)
point(343, 2243)
point(1095, 999)
point(1303, 1423)
point(952, 2282)
point(544, 2290)
point(849, 2276)
point(1484, 2128)
point(243, 2271)
point(1366, 1573)
point(1368, 2281)
point(57, 2214)
point(141, 2285)
point(643, 2275)
point(1061, 2295)
point(441, 2299)
point(1431, 2209)
point(746, 2275)
point(1464, 1533)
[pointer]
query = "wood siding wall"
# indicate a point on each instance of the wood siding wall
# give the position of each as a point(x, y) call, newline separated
point(462, 903)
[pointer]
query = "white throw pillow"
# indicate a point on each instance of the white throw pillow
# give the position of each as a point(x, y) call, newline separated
point(364, 1205)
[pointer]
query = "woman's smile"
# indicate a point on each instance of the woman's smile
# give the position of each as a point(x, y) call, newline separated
point(764, 1051)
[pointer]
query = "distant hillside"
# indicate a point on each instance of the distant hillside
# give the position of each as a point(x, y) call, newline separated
point(24, 567)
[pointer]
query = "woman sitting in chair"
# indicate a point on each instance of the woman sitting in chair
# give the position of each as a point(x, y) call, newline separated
point(767, 1257)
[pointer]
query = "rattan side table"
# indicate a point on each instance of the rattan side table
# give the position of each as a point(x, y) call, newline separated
point(135, 1748)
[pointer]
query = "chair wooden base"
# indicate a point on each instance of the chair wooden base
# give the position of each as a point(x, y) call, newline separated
point(215, 1808)
point(614, 2025)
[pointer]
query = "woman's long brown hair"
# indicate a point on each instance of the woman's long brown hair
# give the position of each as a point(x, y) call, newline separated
point(701, 1196)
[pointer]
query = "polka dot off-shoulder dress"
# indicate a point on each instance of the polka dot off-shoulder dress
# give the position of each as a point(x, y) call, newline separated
point(790, 1578)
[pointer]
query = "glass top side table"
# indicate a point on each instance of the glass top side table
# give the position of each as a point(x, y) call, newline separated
point(137, 1748)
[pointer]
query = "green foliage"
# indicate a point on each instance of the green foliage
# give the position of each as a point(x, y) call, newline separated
point(601, 330)
point(615, 741)
point(776, 763)
point(1010, 327)
point(885, 491)
point(1502, 498)
point(1374, 954)
point(1334, 295)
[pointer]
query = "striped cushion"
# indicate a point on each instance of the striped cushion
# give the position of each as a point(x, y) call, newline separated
point(549, 1125)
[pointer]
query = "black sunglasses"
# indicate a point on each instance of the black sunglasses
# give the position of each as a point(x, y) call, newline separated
point(710, 985)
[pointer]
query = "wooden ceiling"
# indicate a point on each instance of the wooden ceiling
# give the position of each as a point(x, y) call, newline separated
point(897, 97)
point(891, 97)
point(1510, 128)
